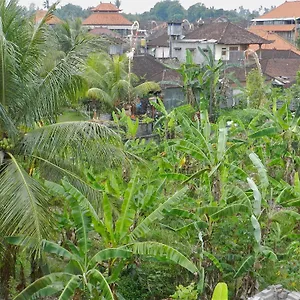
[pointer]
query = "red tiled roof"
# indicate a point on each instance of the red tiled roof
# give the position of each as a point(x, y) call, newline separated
point(288, 27)
point(278, 43)
point(98, 18)
point(288, 9)
point(106, 7)
point(53, 20)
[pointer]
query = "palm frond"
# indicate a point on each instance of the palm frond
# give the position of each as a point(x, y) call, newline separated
point(78, 143)
point(24, 204)
point(146, 88)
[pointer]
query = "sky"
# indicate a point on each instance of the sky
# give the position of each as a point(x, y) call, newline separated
point(139, 6)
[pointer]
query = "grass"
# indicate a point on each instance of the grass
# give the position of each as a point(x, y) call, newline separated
point(72, 115)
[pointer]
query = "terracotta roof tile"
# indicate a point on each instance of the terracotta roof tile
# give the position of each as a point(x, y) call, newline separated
point(107, 7)
point(53, 20)
point(288, 9)
point(226, 33)
point(278, 42)
point(98, 18)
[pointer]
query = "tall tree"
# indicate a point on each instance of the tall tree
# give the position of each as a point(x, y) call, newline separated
point(118, 3)
point(30, 139)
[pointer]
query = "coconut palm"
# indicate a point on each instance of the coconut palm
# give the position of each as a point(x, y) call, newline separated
point(111, 81)
point(32, 145)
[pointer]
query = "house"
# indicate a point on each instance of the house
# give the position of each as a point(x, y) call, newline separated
point(52, 20)
point(283, 20)
point(230, 41)
point(284, 70)
point(277, 41)
point(116, 45)
point(159, 47)
point(147, 68)
point(108, 16)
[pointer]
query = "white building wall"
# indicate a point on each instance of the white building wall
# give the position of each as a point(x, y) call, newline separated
point(159, 52)
point(179, 48)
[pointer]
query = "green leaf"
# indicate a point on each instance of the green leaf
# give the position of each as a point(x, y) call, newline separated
point(24, 204)
point(158, 250)
point(262, 171)
point(257, 230)
point(127, 214)
point(222, 140)
point(96, 277)
point(70, 288)
point(158, 214)
point(42, 283)
point(241, 196)
point(268, 132)
point(220, 292)
point(230, 210)
point(108, 254)
point(214, 260)
point(257, 197)
point(53, 248)
point(108, 216)
point(175, 176)
point(286, 214)
point(245, 267)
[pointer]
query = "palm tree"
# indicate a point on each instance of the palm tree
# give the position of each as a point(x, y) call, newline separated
point(33, 146)
point(109, 79)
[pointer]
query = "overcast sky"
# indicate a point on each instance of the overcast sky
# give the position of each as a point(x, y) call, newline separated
point(133, 6)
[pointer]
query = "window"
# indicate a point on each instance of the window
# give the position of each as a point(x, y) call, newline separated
point(235, 48)
point(224, 52)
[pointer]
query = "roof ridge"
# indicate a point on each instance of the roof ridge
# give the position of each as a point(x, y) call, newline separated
point(223, 33)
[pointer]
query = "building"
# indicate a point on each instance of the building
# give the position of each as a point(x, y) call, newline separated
point(159, 47)
point(277, 41)
point(52, 20)
point(147, 68)
point(230, 40)
point(108, 16)
point(283, 20)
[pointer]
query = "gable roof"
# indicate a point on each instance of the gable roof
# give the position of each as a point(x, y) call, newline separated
point(226, 33)
point(282, 54)
point(53, 20)
point(161, 41)
point(288, 10)
point(281, 68)
point(106, 7)
point(278, 42)
point(148, 68)
point(104, 18)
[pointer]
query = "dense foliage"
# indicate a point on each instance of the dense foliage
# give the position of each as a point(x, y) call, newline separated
point(205, 208)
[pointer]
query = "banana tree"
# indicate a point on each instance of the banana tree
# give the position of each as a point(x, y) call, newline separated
point(123, 228)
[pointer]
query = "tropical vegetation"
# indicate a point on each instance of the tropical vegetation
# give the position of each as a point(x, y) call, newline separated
point(208, 208)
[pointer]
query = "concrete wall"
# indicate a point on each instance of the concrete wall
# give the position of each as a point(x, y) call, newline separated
point(173, 97)
point(179, 48)
point(159, 52)
point(223, 51)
